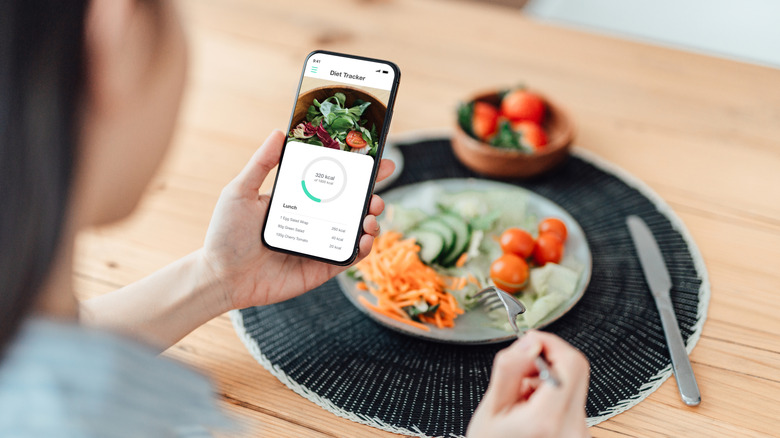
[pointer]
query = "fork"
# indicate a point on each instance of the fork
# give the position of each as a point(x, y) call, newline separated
point(514, 308)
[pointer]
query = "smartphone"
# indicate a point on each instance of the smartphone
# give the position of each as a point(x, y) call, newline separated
point(329, 162)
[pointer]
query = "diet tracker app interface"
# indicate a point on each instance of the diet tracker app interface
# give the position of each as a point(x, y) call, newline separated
point(329, 156)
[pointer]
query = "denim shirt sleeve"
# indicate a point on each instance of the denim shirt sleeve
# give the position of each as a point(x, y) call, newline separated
point(64, 380)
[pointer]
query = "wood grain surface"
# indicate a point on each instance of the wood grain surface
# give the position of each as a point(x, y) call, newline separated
point(702, 132)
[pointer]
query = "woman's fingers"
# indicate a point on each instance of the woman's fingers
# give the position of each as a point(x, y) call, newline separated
point(511, 367)
point(562, 355)
point(570, 365)
point(261, 163)
point(364, 247)
point(386, 168)
point(370, 225)
point(518, 403)
point(370, 230)
point(376, 206)
point(528, 387)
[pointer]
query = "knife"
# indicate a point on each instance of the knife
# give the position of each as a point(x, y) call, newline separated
point(657, 277)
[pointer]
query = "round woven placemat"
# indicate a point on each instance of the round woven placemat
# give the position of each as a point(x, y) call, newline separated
point(326, 350)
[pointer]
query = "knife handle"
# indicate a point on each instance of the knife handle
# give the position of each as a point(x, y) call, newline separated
point(681, 365)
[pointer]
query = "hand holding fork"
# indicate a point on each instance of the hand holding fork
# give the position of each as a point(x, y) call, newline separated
point(514, 308)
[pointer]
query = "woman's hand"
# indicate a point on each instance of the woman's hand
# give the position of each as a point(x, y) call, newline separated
point(248, 273)
point(517, 404)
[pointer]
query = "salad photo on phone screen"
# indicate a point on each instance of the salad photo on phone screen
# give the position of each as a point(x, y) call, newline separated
point(346, 119)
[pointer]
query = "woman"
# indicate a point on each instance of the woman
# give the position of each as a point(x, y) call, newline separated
point(89, 94)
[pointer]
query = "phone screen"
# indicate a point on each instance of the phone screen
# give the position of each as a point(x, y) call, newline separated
point(333, 147)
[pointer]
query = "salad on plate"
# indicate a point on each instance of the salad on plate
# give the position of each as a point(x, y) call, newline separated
point(440, 247)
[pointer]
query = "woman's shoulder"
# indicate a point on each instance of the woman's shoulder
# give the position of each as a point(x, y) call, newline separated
point(61, 379)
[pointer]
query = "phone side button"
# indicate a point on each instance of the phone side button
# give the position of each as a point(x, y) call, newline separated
point(387, 128)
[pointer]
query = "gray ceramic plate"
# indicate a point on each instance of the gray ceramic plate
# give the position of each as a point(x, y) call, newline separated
point(475, 327)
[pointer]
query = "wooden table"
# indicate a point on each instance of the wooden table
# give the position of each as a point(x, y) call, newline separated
point(702, 132)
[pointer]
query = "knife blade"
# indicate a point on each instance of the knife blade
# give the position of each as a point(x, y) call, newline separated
point(660, 283)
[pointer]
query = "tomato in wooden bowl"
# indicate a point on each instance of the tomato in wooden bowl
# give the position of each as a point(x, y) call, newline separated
point(511, 134)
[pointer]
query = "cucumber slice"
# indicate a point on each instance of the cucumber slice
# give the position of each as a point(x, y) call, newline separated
point(431, 244)
point(442, 229)
point(462, 237)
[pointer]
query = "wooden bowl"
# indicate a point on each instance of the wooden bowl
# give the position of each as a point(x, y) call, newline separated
point(509, 163)
point(375, 113)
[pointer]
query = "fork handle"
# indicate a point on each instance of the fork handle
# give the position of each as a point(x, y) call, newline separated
point(545, 372)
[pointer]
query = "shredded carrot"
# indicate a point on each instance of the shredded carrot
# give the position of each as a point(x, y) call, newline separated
point(382, 311)
point(362, 286)
point(457, 283)
point(462, 260)
point(454, 305)
point(399, 279)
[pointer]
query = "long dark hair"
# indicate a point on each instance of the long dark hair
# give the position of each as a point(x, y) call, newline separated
point(41, 79)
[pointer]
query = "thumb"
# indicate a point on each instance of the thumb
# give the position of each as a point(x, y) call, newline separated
point(511, 367)
point(261, 163)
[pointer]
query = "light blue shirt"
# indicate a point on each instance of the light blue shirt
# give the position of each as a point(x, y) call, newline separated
point(64, 380)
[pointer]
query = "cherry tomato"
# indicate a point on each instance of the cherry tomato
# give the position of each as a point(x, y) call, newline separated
point(521, 105)
point(509, 272)
point(553, 225)
point(484, 122)
point(355, 140)
point(533, 135)
point(518, 242)
point(549, 248)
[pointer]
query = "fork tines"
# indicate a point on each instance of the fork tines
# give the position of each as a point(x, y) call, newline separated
point(490, 301)
point(488, 298)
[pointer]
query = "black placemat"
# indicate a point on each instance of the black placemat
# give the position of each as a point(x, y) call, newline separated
point(328, 351)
